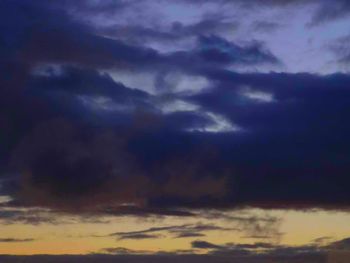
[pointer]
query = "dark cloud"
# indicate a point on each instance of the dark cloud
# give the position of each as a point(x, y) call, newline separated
point(123, 251)
point(177, 31)
point(204, 245)
point(231, 249)
point(41, 35)
point(15, 240)
point(46, 34)
point(263, 251)
point(176, 231)
point(11, 214)
point(189, 235)
point(285, 117)
point(76, 140)
point(218, 50)
point(75, 168)
point(146, 211)
point(138, 236)
point(343, 244)
point(31, 217)
point(300, 250)
point(72, 169)
point(322, 241)
point(330, 11)
point(259, 245)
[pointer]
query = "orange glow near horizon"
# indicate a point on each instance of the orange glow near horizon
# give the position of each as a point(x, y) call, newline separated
point(296, 228)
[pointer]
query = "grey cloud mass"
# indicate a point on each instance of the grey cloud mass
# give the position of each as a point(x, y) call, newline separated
point(76, 138)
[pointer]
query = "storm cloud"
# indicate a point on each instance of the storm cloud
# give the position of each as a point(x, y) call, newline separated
point(76, 138)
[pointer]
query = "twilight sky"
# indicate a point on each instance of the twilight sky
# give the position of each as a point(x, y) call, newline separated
point(192, 130)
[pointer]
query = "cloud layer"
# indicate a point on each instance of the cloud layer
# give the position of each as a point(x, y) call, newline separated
point(77, 138)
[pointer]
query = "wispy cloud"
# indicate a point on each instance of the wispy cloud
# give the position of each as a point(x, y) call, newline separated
point(15, 240)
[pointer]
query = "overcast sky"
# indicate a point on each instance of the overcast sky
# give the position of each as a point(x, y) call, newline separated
point(146, 128)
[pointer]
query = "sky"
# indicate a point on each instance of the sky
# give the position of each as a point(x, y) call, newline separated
point(174, 130)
